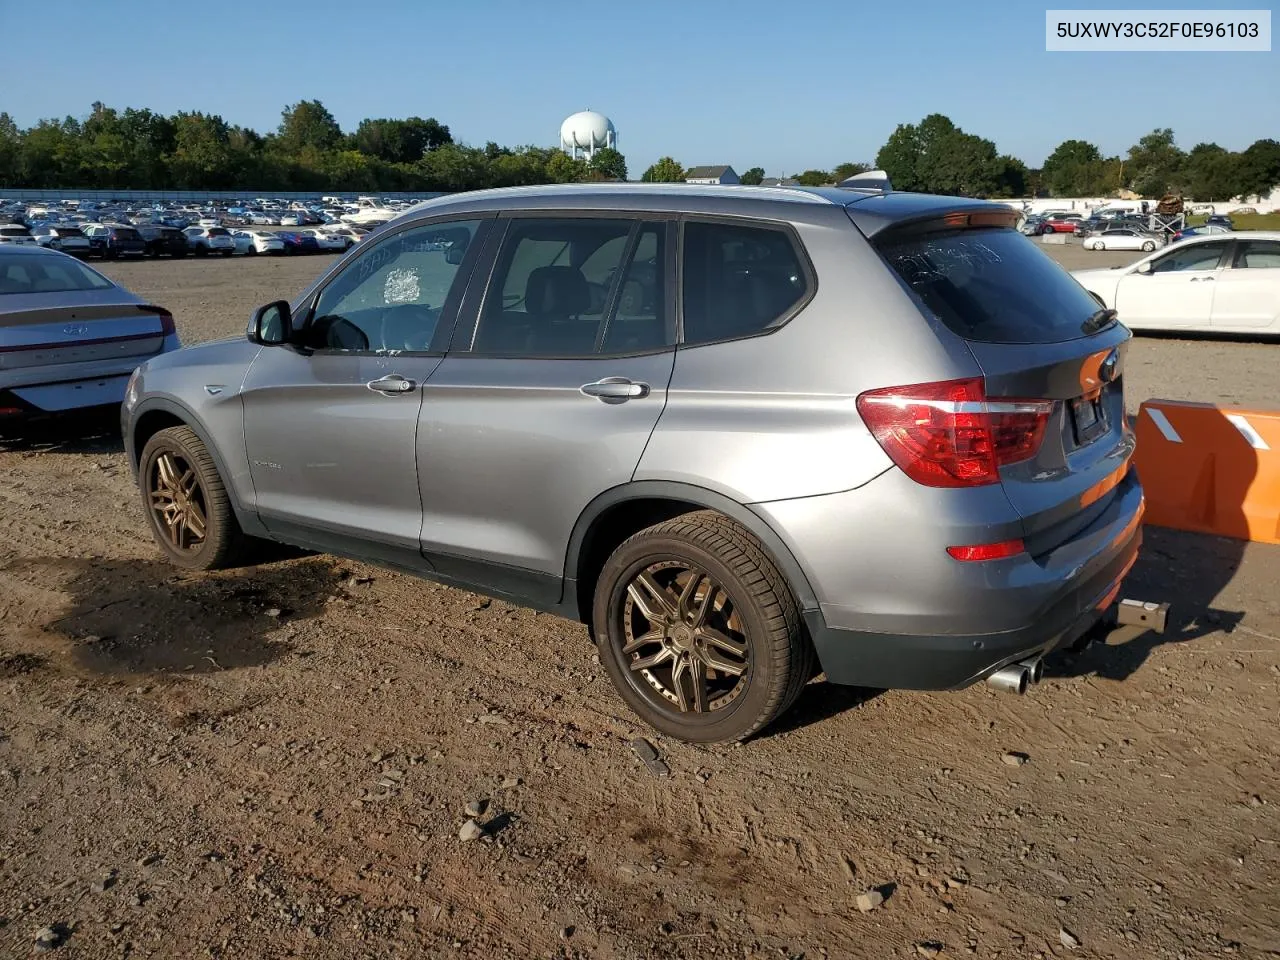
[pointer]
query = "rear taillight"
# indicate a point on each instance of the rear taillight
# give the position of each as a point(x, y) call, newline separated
point(166, 318)
point(988, 551)
point(949, 434)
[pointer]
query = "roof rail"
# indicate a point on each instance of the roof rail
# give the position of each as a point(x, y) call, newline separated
point(871, 181)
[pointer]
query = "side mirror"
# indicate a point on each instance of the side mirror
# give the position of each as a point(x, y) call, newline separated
point(272, 324)
point(454, 254)
point(1144, 267)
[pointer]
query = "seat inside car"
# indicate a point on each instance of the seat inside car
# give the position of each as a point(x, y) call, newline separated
point(552, 321)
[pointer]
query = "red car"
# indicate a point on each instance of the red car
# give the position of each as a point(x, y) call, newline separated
point(1061, 224)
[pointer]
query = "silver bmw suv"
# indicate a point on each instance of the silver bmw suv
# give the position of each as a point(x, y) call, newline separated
point(744, 434)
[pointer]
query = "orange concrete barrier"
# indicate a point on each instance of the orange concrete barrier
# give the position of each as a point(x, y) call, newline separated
point(1210, 469)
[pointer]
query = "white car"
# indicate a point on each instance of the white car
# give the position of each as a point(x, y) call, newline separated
point(293, 219)
point(16, 233)
point(351, 235)
point(1122, 238)
point(67, 239)
point(208, 220)
point(256, 241)
point(327, 240)
point(1211, 284)
point(259, 218)
point(206, 240)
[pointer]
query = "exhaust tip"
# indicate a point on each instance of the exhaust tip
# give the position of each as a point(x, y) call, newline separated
point(1011, 679)
point(1036, 669)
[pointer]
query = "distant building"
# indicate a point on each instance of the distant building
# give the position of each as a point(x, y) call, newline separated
point(717, 175)
point(778, 182)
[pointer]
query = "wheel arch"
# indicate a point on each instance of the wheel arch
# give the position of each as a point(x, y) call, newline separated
point(624, 510)
point(158, 413)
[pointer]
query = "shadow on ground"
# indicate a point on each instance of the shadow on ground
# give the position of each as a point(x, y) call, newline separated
point(819, 701)
point(93, 431)
point(1187, 570)
point(140, 616)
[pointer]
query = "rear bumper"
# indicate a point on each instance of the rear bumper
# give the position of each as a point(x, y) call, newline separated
point(942, 627)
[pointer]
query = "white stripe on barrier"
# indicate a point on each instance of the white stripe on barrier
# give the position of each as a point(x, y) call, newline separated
point(1162, 423)
point(1247, 431)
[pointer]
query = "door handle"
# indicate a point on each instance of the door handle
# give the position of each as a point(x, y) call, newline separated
point(615, 389)
point(392, 385)
point(1202, 279)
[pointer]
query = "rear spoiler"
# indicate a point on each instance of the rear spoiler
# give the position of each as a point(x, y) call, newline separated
point(872, 181)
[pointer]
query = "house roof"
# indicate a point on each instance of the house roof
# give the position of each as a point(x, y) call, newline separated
point(707, 173)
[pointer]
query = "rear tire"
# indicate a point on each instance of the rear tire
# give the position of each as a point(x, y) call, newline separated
point(706, 673)
point(1148, 247)
point(186, 504)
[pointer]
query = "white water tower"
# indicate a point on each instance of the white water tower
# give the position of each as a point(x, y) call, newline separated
point(587, 132)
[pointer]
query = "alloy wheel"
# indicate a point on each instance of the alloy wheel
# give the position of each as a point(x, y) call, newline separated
point(683, 639)
point(178, 501)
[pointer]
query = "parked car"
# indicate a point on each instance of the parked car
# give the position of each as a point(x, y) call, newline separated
point(1122, 238)
point(207, 240)
point(1220, 220)
point(350, 235)
point(15, 234)
point(1201, 231)
point(327, 240)
point(67, 239)
point(259, 218)
point(161, 240)
point(1061, 223)
point(112, 240)
point(1033, 226)
point(296, 241)
point(1216, 283)
point(254, 242)
point(705, 495)
point(69, 336)
point(293, 218)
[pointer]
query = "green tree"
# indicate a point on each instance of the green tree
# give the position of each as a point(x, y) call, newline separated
point(666, 170)
point(1074, 169)
point(562, 168)
point(1155, 164)
point(1012, 177)
point(1211, 173)
point(753, 177)
point(10, 150)
point(308, 124)
point(609, 164)
point(813, 178)
point(936, 156)
point(844, 171)
point(201, 157)
point(400, 141)
point(1259, 169)
point(900, 158)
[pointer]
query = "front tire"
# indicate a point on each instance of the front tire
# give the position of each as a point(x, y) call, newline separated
point(1148, 247)
point(699, 631)
point(186, 503)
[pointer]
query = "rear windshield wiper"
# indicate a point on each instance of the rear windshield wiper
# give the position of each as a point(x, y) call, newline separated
point(1098, 320)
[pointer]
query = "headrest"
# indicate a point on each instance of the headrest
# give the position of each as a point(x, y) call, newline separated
point(559, 291)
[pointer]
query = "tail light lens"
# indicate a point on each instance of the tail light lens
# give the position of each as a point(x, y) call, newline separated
point(988, 551)
point(948, 434)
point(166, 318)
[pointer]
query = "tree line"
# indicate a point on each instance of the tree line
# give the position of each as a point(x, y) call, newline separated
point(140, 149)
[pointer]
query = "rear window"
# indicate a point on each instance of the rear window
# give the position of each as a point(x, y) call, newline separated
point(218, 232)
point(127, 233)
point(52, 274)
point(68, 232)
point(991, 285)
point(14, 232)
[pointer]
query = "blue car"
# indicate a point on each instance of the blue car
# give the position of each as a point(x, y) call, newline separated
point(295, 242)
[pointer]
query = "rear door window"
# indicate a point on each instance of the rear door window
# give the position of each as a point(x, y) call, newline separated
point(991, 285)
point(1258, 255)
point(738, 280)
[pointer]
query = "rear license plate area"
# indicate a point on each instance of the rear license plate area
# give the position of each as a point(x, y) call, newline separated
point(1088, 418)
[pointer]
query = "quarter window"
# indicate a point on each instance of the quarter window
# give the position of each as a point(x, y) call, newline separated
point(389, 299)
point(738, 280)
point(567, 288)
point(1258, 255)
point(1198, 256)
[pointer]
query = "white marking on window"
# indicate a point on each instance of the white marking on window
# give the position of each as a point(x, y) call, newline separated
point(1247, 431)
point(1163, 425)
point(401, 286)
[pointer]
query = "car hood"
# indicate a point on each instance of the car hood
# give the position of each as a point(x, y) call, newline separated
point(229, 351)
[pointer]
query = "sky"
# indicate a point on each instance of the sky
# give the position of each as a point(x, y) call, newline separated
point(740, 82)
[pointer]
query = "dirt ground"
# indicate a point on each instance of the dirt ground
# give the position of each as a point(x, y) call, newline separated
point(276, 762)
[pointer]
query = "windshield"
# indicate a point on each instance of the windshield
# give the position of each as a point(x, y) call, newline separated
point(51, 274)
point(991, 285)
